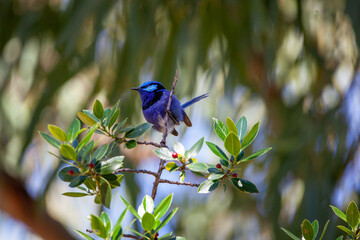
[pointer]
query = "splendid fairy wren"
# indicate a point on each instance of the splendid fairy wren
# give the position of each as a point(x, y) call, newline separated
point(155, 98)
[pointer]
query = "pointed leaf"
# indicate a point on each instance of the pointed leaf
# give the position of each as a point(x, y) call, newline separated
point(244, 185)
point(195, 149)
point(324, 230)
point(106, 221)
point(232, 144)
point(113, 118)
point(256, 154)
point(87, 137)
point(73, 129)
point(131, 208)
point(345, 229)
point(98, 226)
point(231, 125)
point(75, 194)
point(138, 131)
point(339, 213)
point(307, 230)
point(338, 238)
point(50, 139)
point(220, 129)
point(208, 186)
point(167, 219)
point(100, 152)
point(241, 126)
point(352, 214)
point(217, 150)
point(85, 236)
point(251, 135)
point(58, 133)
point(117, 230)
point(98, 109)
point(86, 119)
point(290, 234)
point(163, 207)
point(315, 225)
point(164, 153)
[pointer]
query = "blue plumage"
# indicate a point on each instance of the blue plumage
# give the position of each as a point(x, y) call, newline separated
point(155, 98)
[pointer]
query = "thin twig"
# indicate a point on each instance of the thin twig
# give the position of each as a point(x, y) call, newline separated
point(130, 236)
point(163, 141)
point(179, 183)
point(144, 143)
point(135, 171)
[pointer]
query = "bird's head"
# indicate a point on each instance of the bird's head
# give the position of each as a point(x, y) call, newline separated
point(149, 88)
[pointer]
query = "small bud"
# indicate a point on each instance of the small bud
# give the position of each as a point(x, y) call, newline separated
point(218, 165)
point(175, 155)
point(91, 165)
point(234, 175)
point(71, 172)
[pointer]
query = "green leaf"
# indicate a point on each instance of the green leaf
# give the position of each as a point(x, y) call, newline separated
point(106, 220)
point(256, 154)
point(182, 176)
point(85, 236)
point(113, 118)
point(324, 230)
point(208, 186)
point(50, 139)
point(290, 234)
point(58, 133)
point(163, 206)
point(167, 219)
point(179, 148)
point(64, 174)
point(195, 149)
point(106, 116)
point(68, 151)
point(117, 230)
point(171, 166)
point(105, 192)
point(244, 185)
point(86, 119)
point(339, 213)
point(131, 208)
point(251, 135)
point(315, 225)
point(217, 150)
point(231, 125)
point(138, 131)
point(98, 226)
point(110, 165)
point(216, 176)
point(78, 180)
point(241, 126)
point(118, 127)
point(352, 214)
point(338, 238)
point(147, 205)
point(224, 162)
point(232, 144)
point(345, 229)
point(148, 221)
point(75, 194)
point(307, 230)
point(73, 129)
point(87, 137)
point(100, 152)
point(131, 144)
point(220, 129)
point(98, 109)
point(164, 153)
point(198, 167)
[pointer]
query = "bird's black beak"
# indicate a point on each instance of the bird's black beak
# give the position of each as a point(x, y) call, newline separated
point(135, 88)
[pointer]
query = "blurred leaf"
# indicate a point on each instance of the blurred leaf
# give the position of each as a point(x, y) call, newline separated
point(98, 109)
point(131, 144)
point(113, 118)
point(290, 234)
point(106, 221)
point(106, 116)
point(241, 126)
point(256, 154)
point(216, 176)
point(345, 229)
point(73, 129)
point(231, 125)
point(171, 166)
point(138, 131)
point(315, 225)
point(220, 129)
point(78, 180)
point(105, 192)
point(195, 149)
point(339, 213)
point(118, 127)
point(131, 208)
point(339, 238)
point(58, 133)
point(148, 221)
point(232, 144)
point(86, 119)
point(68, 151)
point(98, 226)
point(307, 230)
point(117, 230)
point(163, 206)
point(85, 236)
point(197, 167)
point(352, 214)
point(250, 136)
point(179, 148)
point(64, 174)
point(224, 162)
point(244, 185)
point(182, 176)
point(166, 220)
point(164, 153)
point(110, 165)
point(87, 137)
point(217, 150)
point(208, 186)
point(324, 230)
point(50, 139)
point(100, 152)
point(147, 205)
point(75, 194)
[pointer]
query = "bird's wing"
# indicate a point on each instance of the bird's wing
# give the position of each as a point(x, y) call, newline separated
point(171, 115)
point(187, 120)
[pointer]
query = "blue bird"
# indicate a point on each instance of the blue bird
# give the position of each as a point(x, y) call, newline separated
point(155, 98)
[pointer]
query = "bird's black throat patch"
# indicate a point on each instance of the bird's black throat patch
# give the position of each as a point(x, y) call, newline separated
point(153, 100)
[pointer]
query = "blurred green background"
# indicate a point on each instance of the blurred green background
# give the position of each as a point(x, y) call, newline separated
point(291, 64)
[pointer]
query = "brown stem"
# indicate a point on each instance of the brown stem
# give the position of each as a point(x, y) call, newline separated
point(163, 141)
point(179, 183)
point(135, 171)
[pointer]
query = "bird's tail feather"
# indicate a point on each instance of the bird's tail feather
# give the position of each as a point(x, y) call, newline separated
point(194, 100)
